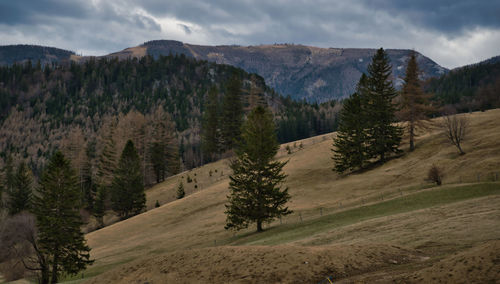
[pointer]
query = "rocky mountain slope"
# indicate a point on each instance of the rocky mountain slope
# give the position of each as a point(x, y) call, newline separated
point(303, 72)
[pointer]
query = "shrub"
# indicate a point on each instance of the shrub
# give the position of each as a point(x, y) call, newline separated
point(435, 174)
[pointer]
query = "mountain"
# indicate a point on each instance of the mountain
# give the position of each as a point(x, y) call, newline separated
point(303, 72)
point(10, 54)
point(471, 87)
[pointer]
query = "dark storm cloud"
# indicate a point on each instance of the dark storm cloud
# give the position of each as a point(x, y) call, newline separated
point(440, 29)
point(450, 16)
point(28, 12)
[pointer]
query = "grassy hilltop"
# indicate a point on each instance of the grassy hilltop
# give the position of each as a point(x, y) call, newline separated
point(384, 224)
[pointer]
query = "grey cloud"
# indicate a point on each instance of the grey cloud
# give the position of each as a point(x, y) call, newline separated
point(186, 29)
point(110, 25)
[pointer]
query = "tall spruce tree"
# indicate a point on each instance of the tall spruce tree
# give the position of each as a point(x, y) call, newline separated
point(414, 103)
point(20, 194)
point(232, 113)
point(350, 148)
point(210, 131)
point(56, 207)
point(88, 183)
point(256, 189)
point(383, 136)
point(127, 190)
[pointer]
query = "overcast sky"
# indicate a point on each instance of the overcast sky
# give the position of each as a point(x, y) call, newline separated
point(451, 32)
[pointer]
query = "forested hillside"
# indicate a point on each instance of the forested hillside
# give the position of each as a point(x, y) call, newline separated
point(469, 88)
point(10, 54)
point(81, 107)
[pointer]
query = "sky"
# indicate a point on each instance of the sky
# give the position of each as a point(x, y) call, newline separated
point(451, 32)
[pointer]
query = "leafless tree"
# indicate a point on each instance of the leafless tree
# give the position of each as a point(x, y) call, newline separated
point(19, 252)
point(456, 127)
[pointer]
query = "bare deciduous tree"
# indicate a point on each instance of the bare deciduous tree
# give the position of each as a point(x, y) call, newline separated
point(456, 127)
point(20, 254)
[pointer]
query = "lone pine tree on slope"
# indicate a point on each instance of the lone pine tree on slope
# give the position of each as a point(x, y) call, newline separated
point(256, 194)
point(414, 102)
point(56, 207)
point(383, 136)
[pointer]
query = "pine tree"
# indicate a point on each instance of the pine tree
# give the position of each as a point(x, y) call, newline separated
point(256, 194)
point(210, 131)
point(384, 136)
point(414, 103)
point(88, 183)
point(163, 150)
point(180, 191)
point(127, 190)
point(107, 159)
point(99, 209)
point(20, 194)
point(232, 113)
point(350, 149)
point(56, 208)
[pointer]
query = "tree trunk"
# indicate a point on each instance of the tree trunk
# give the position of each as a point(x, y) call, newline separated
point(54, 279)
point(460, 149)
point(259, 226)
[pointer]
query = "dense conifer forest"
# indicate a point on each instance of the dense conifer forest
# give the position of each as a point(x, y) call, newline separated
point(77, 107)
point(469, 88)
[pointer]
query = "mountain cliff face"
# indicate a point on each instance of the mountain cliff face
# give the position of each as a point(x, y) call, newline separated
point(303, 72)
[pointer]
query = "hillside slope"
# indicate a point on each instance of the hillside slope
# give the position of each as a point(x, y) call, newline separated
point(381, 225)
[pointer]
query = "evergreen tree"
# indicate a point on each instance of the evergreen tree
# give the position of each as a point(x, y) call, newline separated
point(99, 209)
point(256, 194)
point(127, 189)
point(350, 149)
point(56, 208)
point(384, 136)
point(232, 113)
point(158, 160)
point(180, 191)
point(21, 192)
point(107, 159)
point(414, 103)
point(210, 131)
point(163, 150)
point(88, 183)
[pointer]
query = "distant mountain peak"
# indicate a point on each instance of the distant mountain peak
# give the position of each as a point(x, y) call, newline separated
point(301, 71)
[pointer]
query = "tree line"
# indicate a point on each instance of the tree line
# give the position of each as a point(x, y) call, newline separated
point(41, 104)
point(368, 132)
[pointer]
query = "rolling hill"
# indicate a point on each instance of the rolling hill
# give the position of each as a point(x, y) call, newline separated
point(383, 225)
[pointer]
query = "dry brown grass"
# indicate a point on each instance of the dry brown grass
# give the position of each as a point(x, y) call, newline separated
point(197, 220)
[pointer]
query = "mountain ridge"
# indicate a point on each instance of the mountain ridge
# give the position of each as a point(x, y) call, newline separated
point(304, 72)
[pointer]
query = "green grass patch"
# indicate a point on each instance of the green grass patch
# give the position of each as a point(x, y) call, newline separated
point(92, 271)
point(438, 196)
